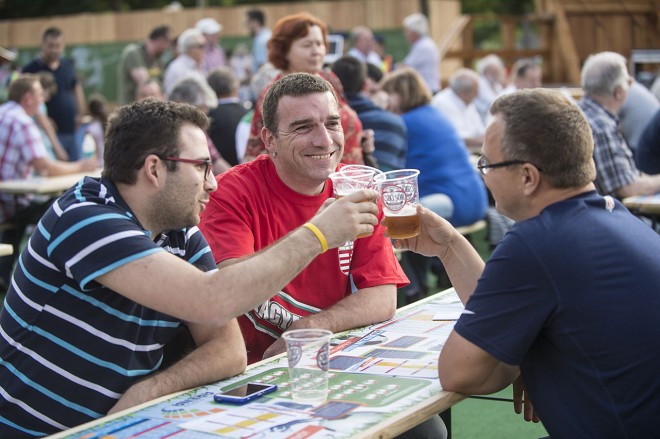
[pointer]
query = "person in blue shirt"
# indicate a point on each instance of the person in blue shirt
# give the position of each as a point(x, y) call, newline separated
point(567, 306)
point(648, 150)
point(449, 184)
point(117, 269)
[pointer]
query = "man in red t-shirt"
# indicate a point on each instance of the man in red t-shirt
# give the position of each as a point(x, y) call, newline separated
point(259, 202)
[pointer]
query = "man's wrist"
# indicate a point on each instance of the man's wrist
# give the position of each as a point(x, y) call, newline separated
point(319, 236)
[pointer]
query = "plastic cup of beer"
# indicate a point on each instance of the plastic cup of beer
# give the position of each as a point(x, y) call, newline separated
point(347, 182)
point(362, 168)
point(307, 352)
point(399, 196)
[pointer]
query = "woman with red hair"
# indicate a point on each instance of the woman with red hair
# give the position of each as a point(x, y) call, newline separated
point(298, 44)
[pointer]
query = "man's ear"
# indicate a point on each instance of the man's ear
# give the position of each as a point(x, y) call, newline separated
point(531, 178)
point(152, 170)
point(618, 92)
point(268, 137)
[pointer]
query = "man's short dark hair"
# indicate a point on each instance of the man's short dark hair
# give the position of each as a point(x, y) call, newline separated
point(295, 85)
point(223, 82)
point(159, 32)
point(256, 15)
point(374, 72)
point(546, 128)
point(522, 66)
point(51, 32)
point(351, 72)
point(142, 128)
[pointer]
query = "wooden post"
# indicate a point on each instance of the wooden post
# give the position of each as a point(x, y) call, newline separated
point(565, 42)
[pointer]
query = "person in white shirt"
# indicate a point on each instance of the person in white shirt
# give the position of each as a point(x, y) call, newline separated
point(363, 46)
point(189, 63)
point(491, 83)
point(424, 55)
point(457, 103)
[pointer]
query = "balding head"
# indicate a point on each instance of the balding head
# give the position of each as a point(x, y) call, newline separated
point(465, 83)
point(603, 72)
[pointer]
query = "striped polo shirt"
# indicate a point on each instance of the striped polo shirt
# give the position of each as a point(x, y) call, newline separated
point(69, 347)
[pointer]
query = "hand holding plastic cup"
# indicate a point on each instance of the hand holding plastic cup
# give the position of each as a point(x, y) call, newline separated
point(308, 355)
point(399, 195)
point(357, 177)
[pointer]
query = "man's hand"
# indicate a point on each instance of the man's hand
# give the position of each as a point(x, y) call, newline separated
point(344, 219)
point(276, 348)
point(434, 237)
point(136, 394)
point(520, 398)
point(88, 164)
point(367, 141)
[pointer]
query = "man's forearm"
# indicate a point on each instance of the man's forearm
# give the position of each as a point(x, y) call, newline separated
point(463, 265)
point(643, 185)
point(220, 356)
point(365, 307)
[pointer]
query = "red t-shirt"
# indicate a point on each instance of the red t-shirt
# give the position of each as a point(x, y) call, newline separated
point(252, 209)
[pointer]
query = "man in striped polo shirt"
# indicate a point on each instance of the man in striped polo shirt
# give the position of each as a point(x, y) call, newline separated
point(117, 266)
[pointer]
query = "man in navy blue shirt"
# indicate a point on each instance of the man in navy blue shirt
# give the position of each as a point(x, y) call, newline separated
point(567, 307)
point(67, 105)
point(117, 266)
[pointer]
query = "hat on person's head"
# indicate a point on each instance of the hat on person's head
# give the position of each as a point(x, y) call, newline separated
point(208, 26)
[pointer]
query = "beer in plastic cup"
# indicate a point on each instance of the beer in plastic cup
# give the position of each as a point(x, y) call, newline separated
point(399, 195)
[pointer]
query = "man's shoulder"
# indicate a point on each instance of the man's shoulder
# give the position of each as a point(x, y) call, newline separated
point(93, 193)
point(232, 109)
point(444, 99)
point(382, 117)
point(253, 172)
point(131, 50)
point(34, 66)
point(13, 112)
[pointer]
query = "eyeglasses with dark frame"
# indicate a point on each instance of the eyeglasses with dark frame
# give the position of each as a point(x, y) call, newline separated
point(198, 162)
point(483, 166)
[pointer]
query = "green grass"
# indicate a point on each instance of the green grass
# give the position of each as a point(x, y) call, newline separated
point(478, 418)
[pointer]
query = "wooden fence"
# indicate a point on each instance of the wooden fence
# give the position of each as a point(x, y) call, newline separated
point(95, 41)
point(563, 32)
point(566, 33)
point(340, 15)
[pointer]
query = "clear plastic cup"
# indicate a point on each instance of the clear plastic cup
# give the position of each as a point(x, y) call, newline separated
point(399, 194)
point(308, 355)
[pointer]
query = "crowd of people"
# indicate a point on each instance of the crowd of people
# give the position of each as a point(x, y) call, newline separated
point(225, 195)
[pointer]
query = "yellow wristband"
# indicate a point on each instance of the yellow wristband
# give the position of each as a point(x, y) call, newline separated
point(319, 235)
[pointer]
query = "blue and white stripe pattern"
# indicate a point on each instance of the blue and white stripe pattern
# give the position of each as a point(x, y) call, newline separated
point(70, 347)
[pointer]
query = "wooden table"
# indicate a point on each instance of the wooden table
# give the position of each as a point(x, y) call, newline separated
point(44, 185)
point(370, 402)
point(646, 205)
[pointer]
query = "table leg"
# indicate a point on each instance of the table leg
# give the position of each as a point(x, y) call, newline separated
point(446, 418)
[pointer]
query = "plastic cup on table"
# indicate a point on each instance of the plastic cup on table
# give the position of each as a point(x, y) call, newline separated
point(308, 356)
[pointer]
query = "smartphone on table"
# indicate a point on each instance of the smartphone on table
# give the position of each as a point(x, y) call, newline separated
point(244, 393)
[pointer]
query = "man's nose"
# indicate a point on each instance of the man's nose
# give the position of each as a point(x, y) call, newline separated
point(322, 136)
